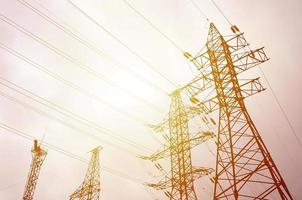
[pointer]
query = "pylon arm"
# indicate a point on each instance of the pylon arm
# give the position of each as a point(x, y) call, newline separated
point(248, 89)
point(164, 125)
point(160, 127)
point(201, 61)
point(161, 185)
point(236, 42)
point(248, 59)
point(197, 172)
point(194, 141)
point(201, 138)
point(200, 83)
point(251, 87)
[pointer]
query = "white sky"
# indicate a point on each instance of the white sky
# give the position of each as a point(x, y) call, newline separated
point(273, 24)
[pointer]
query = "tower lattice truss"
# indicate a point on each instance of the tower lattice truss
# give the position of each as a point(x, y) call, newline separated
point(90, 188)
point(244, 166)
point(178, 184)
point(38, 156)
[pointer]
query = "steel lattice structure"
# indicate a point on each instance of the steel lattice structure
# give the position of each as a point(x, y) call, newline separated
point(182, 175)
point(244, 166)
point(38, 156)
point(90, 188)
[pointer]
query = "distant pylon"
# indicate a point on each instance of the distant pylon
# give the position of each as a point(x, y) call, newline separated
point(38, 156)
point(244, 166)
point(179, 183)
point(90, 188)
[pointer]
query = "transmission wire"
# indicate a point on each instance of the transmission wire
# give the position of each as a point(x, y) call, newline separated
point(120, 41)
point(78, 130)
point(281, 108)
point(78, 37)
point(76, 62)
point(70, 114)
point(153, 26)
point(221, 12)
point(66, 82)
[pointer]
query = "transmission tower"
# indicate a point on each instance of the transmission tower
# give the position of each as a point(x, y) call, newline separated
point(182, 175)
point(38, 156)
point(90, 188)
point(244, 167)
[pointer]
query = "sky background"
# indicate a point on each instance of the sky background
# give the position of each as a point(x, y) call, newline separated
point(123, 103)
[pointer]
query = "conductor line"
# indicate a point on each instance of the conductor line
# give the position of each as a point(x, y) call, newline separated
point(69, 114)
point(281, 108)
point(158, 30)
point(78, 130)
point(151, 24)
point(71, 32)
point(120, 42)
point(67, 83)
point(76, 62)
point(199, 9)
point(221, 12)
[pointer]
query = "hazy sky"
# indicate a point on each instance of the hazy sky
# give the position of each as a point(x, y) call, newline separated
point(123, 94)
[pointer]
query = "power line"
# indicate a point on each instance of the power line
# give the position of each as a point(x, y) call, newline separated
point(78, 130)
point(71, 32)
point(66, 82)
point(68, 113)
point(76, 62)
point(281, 108)
point(120, 42)
point(199, 9)
point(153, 26)
point(158, 30)
point(221, 12)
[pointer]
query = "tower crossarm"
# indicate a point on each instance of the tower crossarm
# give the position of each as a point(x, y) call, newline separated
point(201, 138)
point(199, 172)
point(242, 55)
point(251, 87)
point(194, 141)
point(248, 88)
point(192, 111)
point(248, 59)
point(166, 182)
point(200, 83)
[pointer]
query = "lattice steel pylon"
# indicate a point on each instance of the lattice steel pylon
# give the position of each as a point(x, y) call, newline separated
point(182, 174)
point(244, 166)
point(38, 156)
point(90, 188)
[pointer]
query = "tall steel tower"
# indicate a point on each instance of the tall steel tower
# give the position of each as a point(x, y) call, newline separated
point(179, 183)
point(244, 166)
point(38, 156)
point(90, 188)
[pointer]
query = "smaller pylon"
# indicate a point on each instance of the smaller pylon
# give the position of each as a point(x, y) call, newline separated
point(38, 156)
point(178, 184)
point(90, 188)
